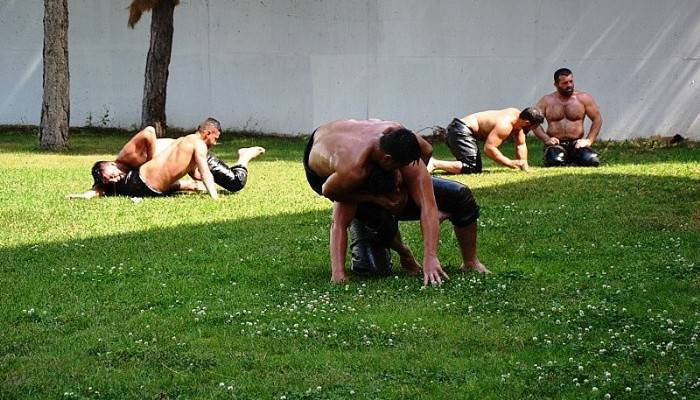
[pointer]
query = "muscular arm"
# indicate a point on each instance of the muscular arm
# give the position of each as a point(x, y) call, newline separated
point(139, 149)
point(593, 113)
point(343, 214)
point(200, 156)
point(96, 191)
point(426, 149)
point(521, 150)
point(494, 139)
point(539, 131)
point(420, 188)
point(343, 188)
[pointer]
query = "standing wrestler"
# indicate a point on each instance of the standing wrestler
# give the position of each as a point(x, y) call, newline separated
point(357, 162)
point(565, 111)
point(493, 127)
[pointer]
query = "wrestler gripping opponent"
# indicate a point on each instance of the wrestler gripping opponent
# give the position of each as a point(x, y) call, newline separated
point(365, 162)
point(493, 127)
point(232, 178)
point(375, 230)
point(149, 167)
point(565, 111)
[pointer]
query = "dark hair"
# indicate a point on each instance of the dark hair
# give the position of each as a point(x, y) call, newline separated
point(533, 115)
point(402, 145)
point(97, 173)
point(209, 122)
point(381, 181)
point(561, 72)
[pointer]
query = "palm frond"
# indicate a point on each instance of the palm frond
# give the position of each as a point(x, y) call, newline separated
point(138, 7)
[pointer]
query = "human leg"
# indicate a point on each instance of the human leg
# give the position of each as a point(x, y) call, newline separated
point(139, 149)
point(246, 154)
point(585, 157)
point(369, 256)
point(463, 146)
point(466, 238)
point(370, 250)
point(373, 231)
point(451, 167)
point(457, 203)
point(554, 156)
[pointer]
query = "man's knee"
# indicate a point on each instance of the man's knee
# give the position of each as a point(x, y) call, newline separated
point(456, 200)
point(370, 256)
point(231, 179)
point(586, 157)
point(554, 156)
point(471, 165)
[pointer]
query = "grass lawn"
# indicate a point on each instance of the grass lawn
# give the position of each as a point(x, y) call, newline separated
point(595, 290)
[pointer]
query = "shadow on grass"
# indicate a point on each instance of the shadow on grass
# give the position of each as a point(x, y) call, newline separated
point(163, 278)
point(565, 210)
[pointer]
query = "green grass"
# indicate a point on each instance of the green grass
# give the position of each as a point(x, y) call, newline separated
point(596, 284)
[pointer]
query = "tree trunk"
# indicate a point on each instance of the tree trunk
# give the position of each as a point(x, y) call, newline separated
point(157, 63)
point(55, 107)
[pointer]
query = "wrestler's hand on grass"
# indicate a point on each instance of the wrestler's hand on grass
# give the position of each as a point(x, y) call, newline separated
point(519, 164)
point(582, 143)
point(432, 272)
point(339, 278)
point(82, 196)
point(552, 141)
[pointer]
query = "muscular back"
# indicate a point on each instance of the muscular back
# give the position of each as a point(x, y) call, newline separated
point(483, 123)
point(565, 117)
point(345, 146)
point(172, 163)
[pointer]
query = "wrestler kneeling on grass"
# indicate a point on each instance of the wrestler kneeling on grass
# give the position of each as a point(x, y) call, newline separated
point(379, 164)
point(147, 166)
point(375, 230)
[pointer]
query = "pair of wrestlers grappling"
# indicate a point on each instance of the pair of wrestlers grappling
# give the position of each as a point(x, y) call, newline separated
point(147, 166)
point(391, 164)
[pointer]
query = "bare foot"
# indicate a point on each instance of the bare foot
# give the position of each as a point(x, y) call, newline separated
point(246, 154)
point(475, 266)
point(410, 265)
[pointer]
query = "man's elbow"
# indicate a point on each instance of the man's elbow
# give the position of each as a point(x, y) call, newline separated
point(149, 133)
point(329, 193)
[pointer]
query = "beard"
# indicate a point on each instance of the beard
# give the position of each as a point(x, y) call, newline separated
point(566, 92)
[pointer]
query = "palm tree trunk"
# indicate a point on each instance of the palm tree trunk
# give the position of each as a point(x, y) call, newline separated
point(55, 107)
point(157, 63)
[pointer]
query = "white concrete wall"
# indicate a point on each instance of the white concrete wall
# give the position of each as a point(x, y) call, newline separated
point(286, 66)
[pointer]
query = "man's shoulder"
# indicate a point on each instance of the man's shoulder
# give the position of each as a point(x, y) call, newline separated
point(192, 138)
point(584, 96)
point(414, 170)
point(549, 97)
point(510, 114)
point(189, 141)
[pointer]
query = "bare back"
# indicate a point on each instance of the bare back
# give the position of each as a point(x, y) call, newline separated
point(172, 163)
point(345, 146)
point(485, 122)
point(565, 116)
